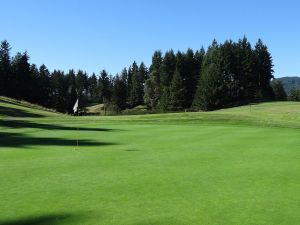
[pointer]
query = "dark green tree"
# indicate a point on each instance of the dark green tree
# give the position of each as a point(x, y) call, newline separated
point(119, 92)
point(177, 91)
point(168, 67)
point(5, 69)
point(59, 91)
point(263, 70)
point(278, 91)
point(93, 95)
point(152, 90)
point(21, 77)
point(294, 95)
point(104, 83)
point(44, 86)
point(137, 88)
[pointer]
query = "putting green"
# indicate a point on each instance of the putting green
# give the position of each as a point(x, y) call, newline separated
point(228, 167)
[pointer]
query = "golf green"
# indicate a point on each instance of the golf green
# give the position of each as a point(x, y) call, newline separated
point(236, 166)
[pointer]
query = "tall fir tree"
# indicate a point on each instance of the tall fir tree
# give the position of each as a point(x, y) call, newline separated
point(263, 69)
point(177, 91)
point(5, 69)
point(105, 91)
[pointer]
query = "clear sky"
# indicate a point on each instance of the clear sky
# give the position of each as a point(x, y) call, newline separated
point(111, 34)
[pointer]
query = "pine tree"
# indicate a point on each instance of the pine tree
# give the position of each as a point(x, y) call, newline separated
point(189, 76)
point(156, 62)
point(93, 94)
point(105, 91)
point(152, 90)
point(177, 92)
point(21, 77)
point(167, 69)
point(211, 90)
point(119, 92)
point(263, 70)
point(294, 95)
point(132, 75)
point(59, 91)
point(278, 91)
point(44, 86)
point(5, 68)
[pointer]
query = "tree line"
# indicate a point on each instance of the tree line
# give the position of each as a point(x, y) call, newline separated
point(225, 74)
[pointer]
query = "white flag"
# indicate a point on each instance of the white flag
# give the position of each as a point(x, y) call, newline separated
point(75, 108)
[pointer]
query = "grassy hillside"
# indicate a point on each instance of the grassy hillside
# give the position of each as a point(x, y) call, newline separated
point(231, 167)
point(14, 108)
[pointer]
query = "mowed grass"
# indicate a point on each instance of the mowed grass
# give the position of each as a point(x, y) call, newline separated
point(236, 166)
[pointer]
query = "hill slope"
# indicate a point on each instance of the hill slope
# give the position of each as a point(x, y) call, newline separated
point(278, 114)
point(13, 108)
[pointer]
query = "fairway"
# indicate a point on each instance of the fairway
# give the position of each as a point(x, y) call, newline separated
point(236, 166)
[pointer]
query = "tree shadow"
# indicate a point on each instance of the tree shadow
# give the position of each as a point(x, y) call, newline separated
point(22, 140)
point(14, 112)
point(28, 124)
point(41, 220)
point(132, 150)
point(163, 221)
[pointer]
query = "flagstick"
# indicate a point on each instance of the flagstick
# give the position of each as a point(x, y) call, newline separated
point(77, 133)
point(75, 109)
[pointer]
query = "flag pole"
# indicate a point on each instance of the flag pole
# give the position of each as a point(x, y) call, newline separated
point(77, 133)
point(76, 111)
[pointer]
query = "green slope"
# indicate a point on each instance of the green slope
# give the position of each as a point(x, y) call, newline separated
point(231, 167)
point(13, 108)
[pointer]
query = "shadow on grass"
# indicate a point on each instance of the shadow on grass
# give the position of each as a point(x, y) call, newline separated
point(22, 140)
point(163, 221)
point(13, 112)
point(41, 220)
point(132, 150)
point(28, 124)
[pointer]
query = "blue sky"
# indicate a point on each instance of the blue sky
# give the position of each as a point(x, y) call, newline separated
point(111, 34)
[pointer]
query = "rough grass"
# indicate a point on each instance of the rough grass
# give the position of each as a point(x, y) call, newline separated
point(229, 167)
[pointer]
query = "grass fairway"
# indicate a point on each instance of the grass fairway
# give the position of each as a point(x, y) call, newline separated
point(237, 166)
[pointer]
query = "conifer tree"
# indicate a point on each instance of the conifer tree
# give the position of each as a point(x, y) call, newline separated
point(177, 92)
point(278, 91)
point(105, 91)
point(119, 92)
point(263, 69)
point(5, 69)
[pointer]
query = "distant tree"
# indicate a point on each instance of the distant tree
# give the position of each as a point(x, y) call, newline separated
point(59, 91)
point(21, 77)
point(152, 90)
point(278, 90)
point(44, 86)
point(105, 91)
point(211, 90)
point(167, 68)
point(34, 94)
point(137, 88)
point(119, 92)
point(132, 71)
point(93, 95)
point(263, 70)
point(189, 76)
point(294, 95)
point(177, 92)
point(156, 62)
point(5, 69)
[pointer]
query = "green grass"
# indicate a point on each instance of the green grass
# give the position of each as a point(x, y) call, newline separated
point(229, 167)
